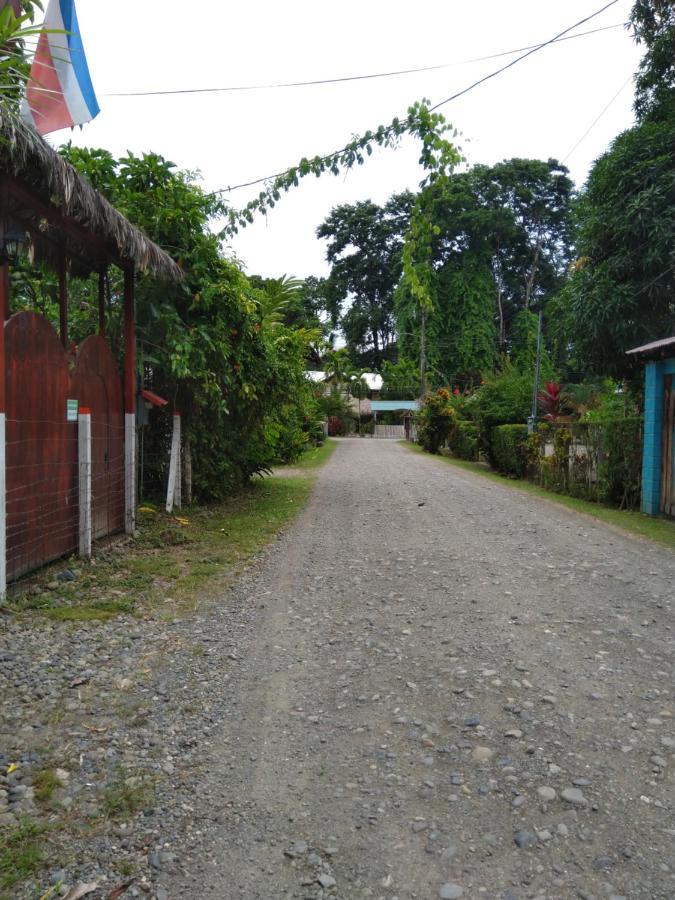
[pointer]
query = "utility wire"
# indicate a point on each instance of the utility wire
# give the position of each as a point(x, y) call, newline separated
point(537, 47)
point(346, 78)
point(475, 84)
point(597, 118)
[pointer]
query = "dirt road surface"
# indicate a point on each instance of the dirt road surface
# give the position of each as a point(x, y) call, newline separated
point(436, 687)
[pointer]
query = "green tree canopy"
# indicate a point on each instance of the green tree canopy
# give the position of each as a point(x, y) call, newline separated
point(364, 249)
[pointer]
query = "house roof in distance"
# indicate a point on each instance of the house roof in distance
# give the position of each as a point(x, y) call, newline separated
point(656, 349)
point(373, 381)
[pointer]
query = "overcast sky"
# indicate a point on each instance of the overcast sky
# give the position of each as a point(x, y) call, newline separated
point(540, 108)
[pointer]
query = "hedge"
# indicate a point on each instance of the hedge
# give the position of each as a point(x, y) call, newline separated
point(463, 441)
point(508, 449)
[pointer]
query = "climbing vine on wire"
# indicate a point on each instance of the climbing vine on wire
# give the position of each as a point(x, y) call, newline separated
point(438, 155)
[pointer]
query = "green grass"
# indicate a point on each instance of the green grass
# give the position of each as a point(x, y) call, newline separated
point(21, 854)
point(124, 796)
point(98, 612)
point(45, 783)
point(317, 456)
point(654, 529)
point(197, 547)
point(154, 567)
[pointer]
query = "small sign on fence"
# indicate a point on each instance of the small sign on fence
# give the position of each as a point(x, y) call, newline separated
point(71, 410)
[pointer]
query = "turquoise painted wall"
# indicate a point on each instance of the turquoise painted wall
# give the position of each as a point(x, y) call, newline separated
point(655, 374)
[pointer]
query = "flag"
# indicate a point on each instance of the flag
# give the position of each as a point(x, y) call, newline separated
point(59, 93)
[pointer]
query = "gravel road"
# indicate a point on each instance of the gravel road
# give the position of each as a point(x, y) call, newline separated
point(431, 686)
point(437, 687)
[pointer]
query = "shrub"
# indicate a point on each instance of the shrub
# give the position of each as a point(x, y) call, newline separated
point(436, 416)
point(504, 399)
point(463, 441)
point(508, 449)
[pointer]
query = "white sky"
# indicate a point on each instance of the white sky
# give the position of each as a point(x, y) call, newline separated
point(540, 108)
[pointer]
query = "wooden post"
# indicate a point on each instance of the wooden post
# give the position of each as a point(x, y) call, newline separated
point(129, 401)
point(101, 302)
point(173, 491)
point(4, 308)
point(63, 297)
point(84, 477)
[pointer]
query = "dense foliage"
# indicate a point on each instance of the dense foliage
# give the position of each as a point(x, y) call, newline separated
point(622, 292)
point(364, 250)
point(508, 449)
point(217, 347)
point(498, 243)
point(436, 417)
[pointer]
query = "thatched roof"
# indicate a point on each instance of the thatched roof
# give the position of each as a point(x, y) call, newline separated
point(94, 232)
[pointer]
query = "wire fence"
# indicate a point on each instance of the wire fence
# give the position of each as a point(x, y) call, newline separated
point(43, 489)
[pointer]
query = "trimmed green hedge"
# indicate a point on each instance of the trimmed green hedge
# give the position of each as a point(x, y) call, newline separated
point(508, 450)
point(463, 441)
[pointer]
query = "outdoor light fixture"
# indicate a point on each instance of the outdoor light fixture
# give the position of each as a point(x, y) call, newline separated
point(11, 241)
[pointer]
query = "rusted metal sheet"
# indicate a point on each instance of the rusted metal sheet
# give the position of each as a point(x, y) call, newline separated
point(41, 446)
point(96, 384)
point(42, 484)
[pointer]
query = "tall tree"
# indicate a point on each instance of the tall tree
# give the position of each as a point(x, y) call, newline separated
point(501, 244)
point(653, 23)
point(364, 249)
point(622, 292)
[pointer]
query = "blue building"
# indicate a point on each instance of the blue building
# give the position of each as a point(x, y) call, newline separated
point(658, 457)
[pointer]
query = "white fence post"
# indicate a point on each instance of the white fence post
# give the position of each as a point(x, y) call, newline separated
point(3, 509)
point(173, 491)
point(84, 473)
point(130, 472)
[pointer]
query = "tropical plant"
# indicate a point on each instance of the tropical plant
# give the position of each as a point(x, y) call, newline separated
point(552, 401)
point(435, 419)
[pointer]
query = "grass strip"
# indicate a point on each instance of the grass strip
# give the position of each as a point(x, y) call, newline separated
point(174, 556)
point(653, 528)
point(317, 456)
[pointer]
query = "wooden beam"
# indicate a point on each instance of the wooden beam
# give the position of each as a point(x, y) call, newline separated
point(101, 302)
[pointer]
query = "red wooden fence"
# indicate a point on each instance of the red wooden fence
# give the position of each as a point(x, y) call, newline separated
point(42, 484)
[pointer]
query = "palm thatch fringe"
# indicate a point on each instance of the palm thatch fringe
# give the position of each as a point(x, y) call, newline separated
point(25, 155)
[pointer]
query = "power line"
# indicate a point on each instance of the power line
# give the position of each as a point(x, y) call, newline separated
point(597, 119)
point(518, 59)
point(475, 84)
point(347, 78)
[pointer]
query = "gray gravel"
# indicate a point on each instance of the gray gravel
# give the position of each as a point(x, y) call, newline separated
point(431, 686)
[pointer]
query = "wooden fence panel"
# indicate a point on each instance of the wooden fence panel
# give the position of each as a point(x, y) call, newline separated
point(42, 446)
point(42, 507)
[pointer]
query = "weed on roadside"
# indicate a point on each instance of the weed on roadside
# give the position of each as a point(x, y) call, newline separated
point(125, 794)
point(21, 854)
